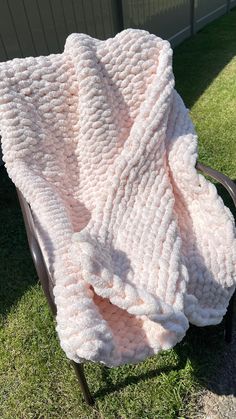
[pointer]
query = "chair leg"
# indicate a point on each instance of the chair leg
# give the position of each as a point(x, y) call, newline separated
point(79, 371)
point(229, 320)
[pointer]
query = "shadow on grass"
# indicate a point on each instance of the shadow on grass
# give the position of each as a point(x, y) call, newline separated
point(17, 272)
point(131, 379)
point(198, 60)
point(210, 358)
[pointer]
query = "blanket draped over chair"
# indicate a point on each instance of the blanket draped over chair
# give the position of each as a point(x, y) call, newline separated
point(137, 243)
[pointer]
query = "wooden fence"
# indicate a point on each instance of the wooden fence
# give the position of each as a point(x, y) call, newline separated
point(40, 27)
point(174, 20)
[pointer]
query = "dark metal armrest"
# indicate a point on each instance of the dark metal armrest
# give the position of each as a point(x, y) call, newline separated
point(35, 250)
point(221, 178)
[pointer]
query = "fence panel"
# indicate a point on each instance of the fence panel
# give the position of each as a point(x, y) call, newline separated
point(40, 27)
point(206, 11)
point(168, 19)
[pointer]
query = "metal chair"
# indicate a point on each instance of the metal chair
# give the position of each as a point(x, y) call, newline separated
point(46, 281)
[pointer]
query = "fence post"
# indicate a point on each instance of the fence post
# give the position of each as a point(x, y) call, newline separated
point(192, 18)
point(228, 6)
point(120, 14)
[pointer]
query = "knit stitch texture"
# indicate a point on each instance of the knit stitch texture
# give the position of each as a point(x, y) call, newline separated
point(138, 244)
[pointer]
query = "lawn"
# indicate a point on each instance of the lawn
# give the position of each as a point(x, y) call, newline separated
point(36, 380)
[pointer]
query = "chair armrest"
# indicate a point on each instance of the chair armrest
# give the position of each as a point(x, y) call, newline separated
point(221, 178)
point(35, 250)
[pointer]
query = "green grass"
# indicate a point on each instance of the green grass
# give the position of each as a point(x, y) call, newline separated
point(36, 380)
point(204, 68)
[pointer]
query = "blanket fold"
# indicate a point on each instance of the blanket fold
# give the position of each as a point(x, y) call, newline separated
point(102, 147)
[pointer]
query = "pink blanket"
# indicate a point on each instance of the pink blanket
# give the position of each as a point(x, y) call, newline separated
point(102, 147)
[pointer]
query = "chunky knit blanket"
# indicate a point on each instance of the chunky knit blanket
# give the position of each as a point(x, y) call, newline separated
point(138, 244)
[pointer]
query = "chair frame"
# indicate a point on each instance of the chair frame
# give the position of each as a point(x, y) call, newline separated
point(44, 275)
